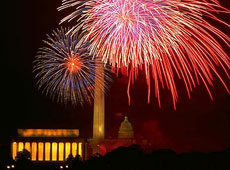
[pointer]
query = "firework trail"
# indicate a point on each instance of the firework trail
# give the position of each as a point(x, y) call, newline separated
point(65, 70)
point(166, 38)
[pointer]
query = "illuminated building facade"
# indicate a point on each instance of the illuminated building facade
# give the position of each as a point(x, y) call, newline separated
point(126, 130)
point(49, 145)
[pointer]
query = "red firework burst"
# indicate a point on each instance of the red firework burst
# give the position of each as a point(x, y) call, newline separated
point(167, 37)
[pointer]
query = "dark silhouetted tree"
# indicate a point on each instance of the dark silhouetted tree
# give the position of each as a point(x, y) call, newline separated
point(23, 160)
point(74, 162)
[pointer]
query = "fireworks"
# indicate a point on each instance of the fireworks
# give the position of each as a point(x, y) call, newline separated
point(167, 38)
point(65, 70)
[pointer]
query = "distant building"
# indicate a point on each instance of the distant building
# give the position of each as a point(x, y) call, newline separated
point(49, 145)
point(126, 130)
point(55, 145)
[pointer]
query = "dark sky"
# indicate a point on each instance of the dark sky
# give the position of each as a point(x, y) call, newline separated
point(197, 124)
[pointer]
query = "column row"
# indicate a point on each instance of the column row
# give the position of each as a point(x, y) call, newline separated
point(48, 151)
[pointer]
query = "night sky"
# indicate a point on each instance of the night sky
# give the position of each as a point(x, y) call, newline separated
point(198, 124)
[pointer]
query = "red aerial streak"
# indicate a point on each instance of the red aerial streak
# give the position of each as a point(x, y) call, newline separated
point(167, 38)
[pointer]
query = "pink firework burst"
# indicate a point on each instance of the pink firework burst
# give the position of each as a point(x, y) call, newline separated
point(167, 38)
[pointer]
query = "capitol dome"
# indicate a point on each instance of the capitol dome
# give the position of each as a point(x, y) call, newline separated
point(126, 130)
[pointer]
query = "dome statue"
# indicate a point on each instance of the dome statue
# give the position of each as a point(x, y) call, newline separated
point(126, 130)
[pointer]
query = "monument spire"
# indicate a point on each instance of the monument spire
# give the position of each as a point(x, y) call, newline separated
point(99, 106)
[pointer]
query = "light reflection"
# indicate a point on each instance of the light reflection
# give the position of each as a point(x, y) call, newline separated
point(67, 150)
point(47, 151)
point(74, 149)
point(20, 146)
point(61, 151)
point(40, 151)
point(14, 149)
point(34, 151)
point(54, 151)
